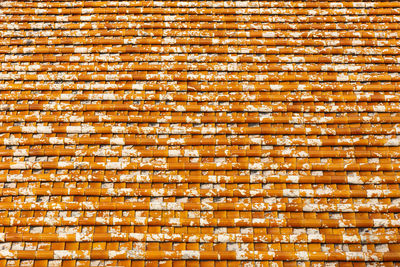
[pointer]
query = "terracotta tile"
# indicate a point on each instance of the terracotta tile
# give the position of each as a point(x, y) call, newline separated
point(195, 133)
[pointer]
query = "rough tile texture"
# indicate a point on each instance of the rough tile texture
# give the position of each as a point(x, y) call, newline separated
point(199, 133)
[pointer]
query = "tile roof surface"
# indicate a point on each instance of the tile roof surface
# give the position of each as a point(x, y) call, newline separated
point(199, 133)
